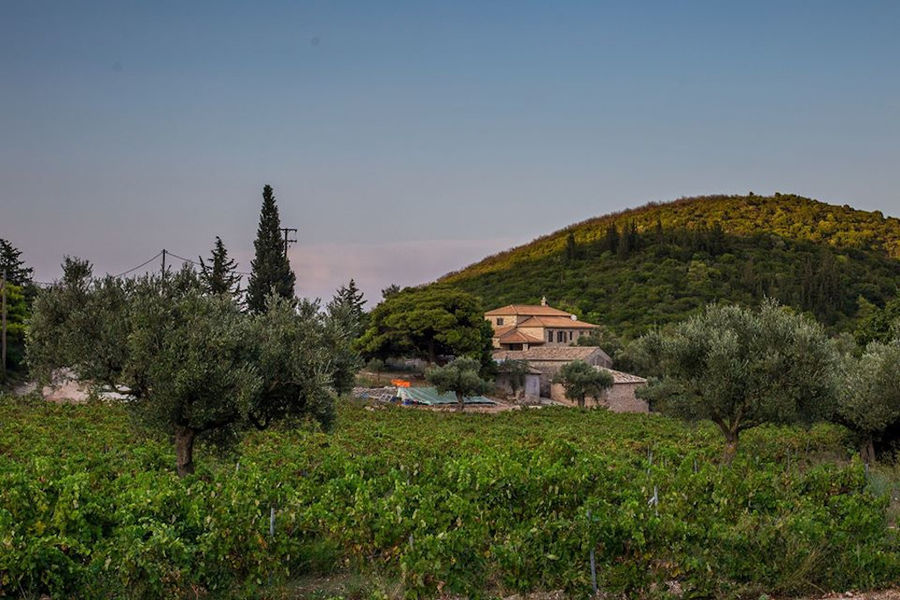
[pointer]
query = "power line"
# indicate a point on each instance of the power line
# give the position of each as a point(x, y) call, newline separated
point(147, 262)
point(194, 262)
point(143, 264)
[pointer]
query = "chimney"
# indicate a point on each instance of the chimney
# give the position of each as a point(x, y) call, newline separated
point(543, 300)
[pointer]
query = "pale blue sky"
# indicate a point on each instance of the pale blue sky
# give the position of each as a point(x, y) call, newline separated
point(409, 139)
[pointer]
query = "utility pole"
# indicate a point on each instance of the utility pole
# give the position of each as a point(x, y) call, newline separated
point(3, 332)
point(286, 231)
point(162, 270)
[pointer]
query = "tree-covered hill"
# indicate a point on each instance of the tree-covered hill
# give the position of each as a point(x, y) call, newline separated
point(656, 264)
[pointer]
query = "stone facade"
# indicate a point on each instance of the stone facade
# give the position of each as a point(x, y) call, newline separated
point(523, 326)
point(548, 360)
point(620, 397)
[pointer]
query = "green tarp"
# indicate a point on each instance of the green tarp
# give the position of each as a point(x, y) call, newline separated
point(430, 397)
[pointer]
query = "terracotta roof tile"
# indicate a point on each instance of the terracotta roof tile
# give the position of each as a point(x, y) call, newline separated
point(552, 353)
point(620, 377)
point(526, 310)
point(556, 322)
point(517, 337)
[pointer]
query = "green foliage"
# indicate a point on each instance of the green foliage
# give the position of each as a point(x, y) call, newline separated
point(869, 402)
point(16, 315)
point(448, 504)
point(195, 365)
point(12, 266)
point(514, 372)
point(82, 323)
point(389, 291)
point(581, 380)
point(461, 376)
point(878, 324)
point(270, 270)
point(741, 368)
point(661, 263)
point(343, 321)
point(220, 276)
point(428, 323)
point(348, 302)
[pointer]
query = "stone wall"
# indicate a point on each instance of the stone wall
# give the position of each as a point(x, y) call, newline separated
point(620, 398)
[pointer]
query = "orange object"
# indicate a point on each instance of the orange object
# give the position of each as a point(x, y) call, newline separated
point(400, 382)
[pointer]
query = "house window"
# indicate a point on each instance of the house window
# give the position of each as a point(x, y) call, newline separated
point(560, 336)
point(549, 335)
point(570, 336)
point(499, 321)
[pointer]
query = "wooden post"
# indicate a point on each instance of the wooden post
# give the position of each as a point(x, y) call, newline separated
point(162, 271)
point(593, 561)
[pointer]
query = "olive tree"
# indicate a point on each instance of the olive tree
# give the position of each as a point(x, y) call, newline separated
point(195, 365)
point(869, 402)
point(460, 376)
point(82, 324)
point(740, 368)
point(580, 380)
point(515, 371)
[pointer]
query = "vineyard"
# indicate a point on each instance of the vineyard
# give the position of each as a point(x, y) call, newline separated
point(437, 504)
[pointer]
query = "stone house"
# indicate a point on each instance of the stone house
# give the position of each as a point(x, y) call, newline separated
point(620, 397)
point(548, 360)
point(524, 326)
point(530, 391)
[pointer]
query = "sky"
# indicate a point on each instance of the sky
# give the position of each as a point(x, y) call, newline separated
point(409, 139)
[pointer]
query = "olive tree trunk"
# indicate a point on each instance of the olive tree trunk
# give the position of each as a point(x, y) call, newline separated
point(184, 450)
point(867, 451)
point(731, 444)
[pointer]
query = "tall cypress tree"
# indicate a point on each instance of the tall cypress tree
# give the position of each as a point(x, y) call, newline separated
point(219, 276)
point(270, 269)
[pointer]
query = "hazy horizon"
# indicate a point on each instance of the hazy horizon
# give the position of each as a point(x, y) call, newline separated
point(412, 139)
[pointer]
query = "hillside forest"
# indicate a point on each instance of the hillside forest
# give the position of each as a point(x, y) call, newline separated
point(657, 264)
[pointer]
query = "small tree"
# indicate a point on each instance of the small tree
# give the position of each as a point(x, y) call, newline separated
point(740, 368)
point(342, 325)
point(348, 301)
point(515, 372)
point(580, 380)
point(870, 400)
point(270, 269)
point(220, 276)
point(13, 266)
point(461, 376)
point(390, 291)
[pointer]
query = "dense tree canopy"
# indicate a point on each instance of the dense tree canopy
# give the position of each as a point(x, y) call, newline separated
point(270, 269)
point(878, 324)
point(740, 368)
point(194, 363)
point(661, 263)
point(428, 323)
